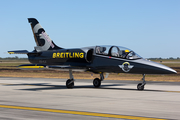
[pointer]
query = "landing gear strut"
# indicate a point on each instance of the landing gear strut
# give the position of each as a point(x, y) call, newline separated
point(70, 82)
point(97, 81)
point(140, 86)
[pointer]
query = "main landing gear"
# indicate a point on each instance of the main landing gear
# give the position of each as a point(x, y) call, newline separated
point(140, 86)
point(70, 82)
point(97, 81)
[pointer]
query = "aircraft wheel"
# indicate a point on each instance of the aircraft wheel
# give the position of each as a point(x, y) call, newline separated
point(70, 83)
point(97, 82)
point(140, 86)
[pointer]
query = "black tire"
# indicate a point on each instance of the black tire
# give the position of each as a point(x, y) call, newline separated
point(70, 83)
point(97, 82)
point(140, 86)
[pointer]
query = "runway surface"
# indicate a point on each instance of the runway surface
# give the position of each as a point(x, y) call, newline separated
point(49, 99)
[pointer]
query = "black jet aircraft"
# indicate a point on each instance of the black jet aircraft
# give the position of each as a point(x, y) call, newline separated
point(97, 59)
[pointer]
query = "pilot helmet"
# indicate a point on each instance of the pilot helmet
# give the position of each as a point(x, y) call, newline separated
point(127, 51)
point(102, 49)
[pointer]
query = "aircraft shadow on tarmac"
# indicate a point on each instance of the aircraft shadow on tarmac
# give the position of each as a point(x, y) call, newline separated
point(53, 87)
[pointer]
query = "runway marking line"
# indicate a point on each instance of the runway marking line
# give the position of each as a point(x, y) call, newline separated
point(173, 91)
point(79, 113)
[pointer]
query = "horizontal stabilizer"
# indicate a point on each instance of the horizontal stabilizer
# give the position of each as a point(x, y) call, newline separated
point(18, 52)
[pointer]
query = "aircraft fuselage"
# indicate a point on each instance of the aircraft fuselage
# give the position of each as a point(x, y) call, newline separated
point(96, 59)
point(96, 63)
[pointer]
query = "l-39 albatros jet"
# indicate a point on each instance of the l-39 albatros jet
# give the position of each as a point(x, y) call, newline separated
point(97, 59)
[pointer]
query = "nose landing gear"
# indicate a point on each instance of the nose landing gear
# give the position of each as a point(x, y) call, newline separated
point(140, 86)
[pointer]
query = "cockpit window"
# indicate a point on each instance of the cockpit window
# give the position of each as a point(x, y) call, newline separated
point(103, 50)
point(117, 51)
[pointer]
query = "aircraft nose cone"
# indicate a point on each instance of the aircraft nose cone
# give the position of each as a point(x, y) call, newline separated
point(165, 69)
point(156, 68)
point(170, 70)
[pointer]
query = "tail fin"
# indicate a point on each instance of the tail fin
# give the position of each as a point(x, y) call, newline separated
point(42, 40)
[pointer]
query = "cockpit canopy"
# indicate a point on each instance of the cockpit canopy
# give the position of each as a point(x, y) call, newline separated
point(116, 51)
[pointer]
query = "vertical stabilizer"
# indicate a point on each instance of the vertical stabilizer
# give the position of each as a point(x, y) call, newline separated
point(43, 41)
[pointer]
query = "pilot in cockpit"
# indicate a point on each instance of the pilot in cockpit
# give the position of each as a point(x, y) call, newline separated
point(125, 53)
point(100, 50)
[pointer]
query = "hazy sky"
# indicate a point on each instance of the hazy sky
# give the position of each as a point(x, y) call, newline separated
point(149, 27)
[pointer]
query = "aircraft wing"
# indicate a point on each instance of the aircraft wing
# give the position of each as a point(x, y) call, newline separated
point(18, 52)
point(60, 67)
point(52, 67)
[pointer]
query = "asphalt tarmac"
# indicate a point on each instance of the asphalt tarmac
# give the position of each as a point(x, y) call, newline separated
point(49, 99)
